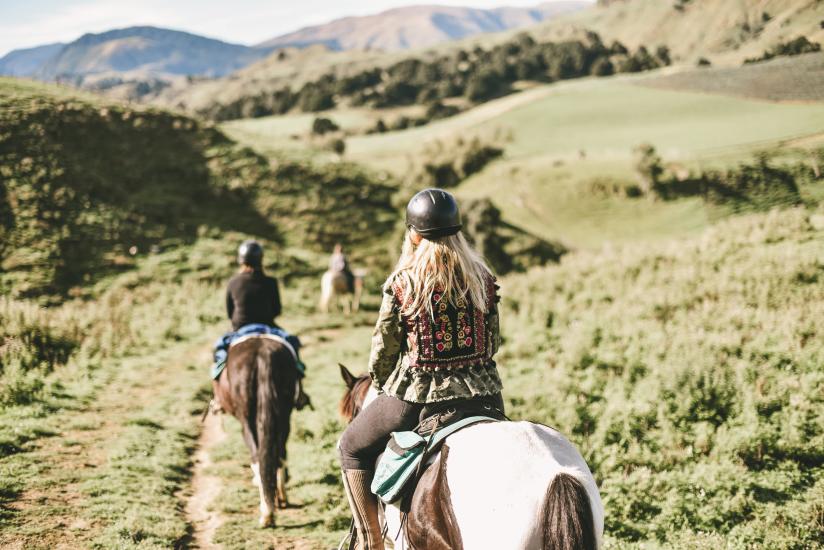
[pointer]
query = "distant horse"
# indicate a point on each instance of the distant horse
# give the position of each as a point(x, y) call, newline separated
point(258, 388)
point(503, 485)
point(334, 285)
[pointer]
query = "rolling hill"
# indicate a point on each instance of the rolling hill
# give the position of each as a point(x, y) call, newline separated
point(726, 32)
point(420, 26)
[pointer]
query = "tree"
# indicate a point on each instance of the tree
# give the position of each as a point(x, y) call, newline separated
point(662, 54)
point(648, 166)
point(602, 67)
point(483, 85)
point(313, 98)
point(321, 126)
point(338, 146)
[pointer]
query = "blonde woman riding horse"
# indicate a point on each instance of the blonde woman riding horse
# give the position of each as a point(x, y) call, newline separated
point(434, 342)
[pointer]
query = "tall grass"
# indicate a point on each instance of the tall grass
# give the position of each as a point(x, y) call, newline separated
point(690, 375)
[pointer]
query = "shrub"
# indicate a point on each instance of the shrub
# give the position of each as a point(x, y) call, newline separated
point(648, 166)
point(338, 146)
point(797, 46)
point(447, 164)
point(321, 126)
point(603, 67)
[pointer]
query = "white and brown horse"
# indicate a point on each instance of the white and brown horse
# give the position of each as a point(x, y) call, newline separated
point(334, 286)
point(258, 388)
point(502, 485)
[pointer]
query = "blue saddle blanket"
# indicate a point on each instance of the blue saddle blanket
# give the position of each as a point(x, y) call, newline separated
point(222, 344)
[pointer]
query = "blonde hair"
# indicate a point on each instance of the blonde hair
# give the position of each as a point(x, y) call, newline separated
point(447, 264)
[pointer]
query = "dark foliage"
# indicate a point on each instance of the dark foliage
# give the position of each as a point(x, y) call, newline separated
point(757, 185)
point(321, 126)
point(797, 46)
point(506, 247)
point(478, 75)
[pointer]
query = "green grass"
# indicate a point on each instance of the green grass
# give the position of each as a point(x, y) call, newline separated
point(689, 374)
point(606, 118)
point(799, 78)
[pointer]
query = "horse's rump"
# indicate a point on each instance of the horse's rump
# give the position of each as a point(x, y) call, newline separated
point(258, 388)
point(494, 489)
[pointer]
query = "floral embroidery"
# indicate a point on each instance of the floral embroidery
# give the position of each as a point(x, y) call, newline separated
point(454, 337)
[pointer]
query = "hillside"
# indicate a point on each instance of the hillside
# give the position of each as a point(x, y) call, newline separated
point(690, 373)
point(419, 26)
point(687, 372)
point(87, 185)
point(799, 78)
point(288, 67)
point(725, 32)
point(27, 61)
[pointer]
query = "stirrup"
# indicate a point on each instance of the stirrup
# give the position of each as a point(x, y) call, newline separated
point(351, 537)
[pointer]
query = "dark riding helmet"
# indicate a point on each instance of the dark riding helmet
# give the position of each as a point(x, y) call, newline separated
point(250, 253)
point(433, 213)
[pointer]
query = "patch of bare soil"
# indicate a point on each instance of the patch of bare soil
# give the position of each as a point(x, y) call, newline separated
point(200, 513)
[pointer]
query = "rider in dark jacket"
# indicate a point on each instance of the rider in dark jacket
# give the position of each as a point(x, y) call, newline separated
point(252, 305)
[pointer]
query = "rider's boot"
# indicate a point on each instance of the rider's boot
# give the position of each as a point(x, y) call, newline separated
point(215, 407)
point(302, 398)
point(364, 505)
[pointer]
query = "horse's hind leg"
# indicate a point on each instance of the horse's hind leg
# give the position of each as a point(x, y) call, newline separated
point(280, 494)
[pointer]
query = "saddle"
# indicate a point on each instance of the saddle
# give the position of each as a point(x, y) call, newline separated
point(408, 454)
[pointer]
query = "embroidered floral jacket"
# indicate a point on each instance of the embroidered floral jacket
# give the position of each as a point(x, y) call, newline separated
point(441, 358)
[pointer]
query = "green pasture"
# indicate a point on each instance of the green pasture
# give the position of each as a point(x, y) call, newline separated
point(606, 118)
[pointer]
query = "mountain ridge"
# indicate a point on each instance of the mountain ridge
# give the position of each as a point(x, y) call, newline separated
point(151, 49)
point(419, 26)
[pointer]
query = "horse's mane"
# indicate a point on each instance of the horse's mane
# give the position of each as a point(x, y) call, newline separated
point(352, 400)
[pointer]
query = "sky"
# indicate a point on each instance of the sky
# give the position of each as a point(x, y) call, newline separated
point(27, 23)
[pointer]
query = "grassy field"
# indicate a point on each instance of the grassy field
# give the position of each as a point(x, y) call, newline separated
point(676, 368)
point(606, 118)
point(799, 78)
point(679, 349)
point(558, 138)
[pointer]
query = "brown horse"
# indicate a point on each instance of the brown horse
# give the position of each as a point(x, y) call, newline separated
point(514, 485)
point(258, 388)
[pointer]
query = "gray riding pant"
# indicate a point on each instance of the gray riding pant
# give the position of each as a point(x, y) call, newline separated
point(366, 437)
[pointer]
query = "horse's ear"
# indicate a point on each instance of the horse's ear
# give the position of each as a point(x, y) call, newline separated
point(347, 376)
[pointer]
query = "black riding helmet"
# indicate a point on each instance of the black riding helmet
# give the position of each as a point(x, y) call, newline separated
point(250, 253)
point(433, 213)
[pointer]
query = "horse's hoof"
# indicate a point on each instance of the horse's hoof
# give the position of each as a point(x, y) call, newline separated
point(267, 520)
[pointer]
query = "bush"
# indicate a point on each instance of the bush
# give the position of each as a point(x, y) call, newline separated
point(321, 126)
point(338, 146)
point(756, 185)
point(797, 46)
point(648, 166)
point(602, 67)
point(447, 164)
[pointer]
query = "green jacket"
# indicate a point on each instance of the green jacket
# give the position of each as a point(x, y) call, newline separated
point(445, 358)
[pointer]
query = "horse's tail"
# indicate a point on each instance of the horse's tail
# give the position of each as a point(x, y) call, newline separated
point(268, 438)
point(567, 517)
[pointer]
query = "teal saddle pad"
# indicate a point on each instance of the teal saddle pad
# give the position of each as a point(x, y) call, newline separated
point(403, 455)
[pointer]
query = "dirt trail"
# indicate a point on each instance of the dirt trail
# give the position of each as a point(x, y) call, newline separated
point(205, 487)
